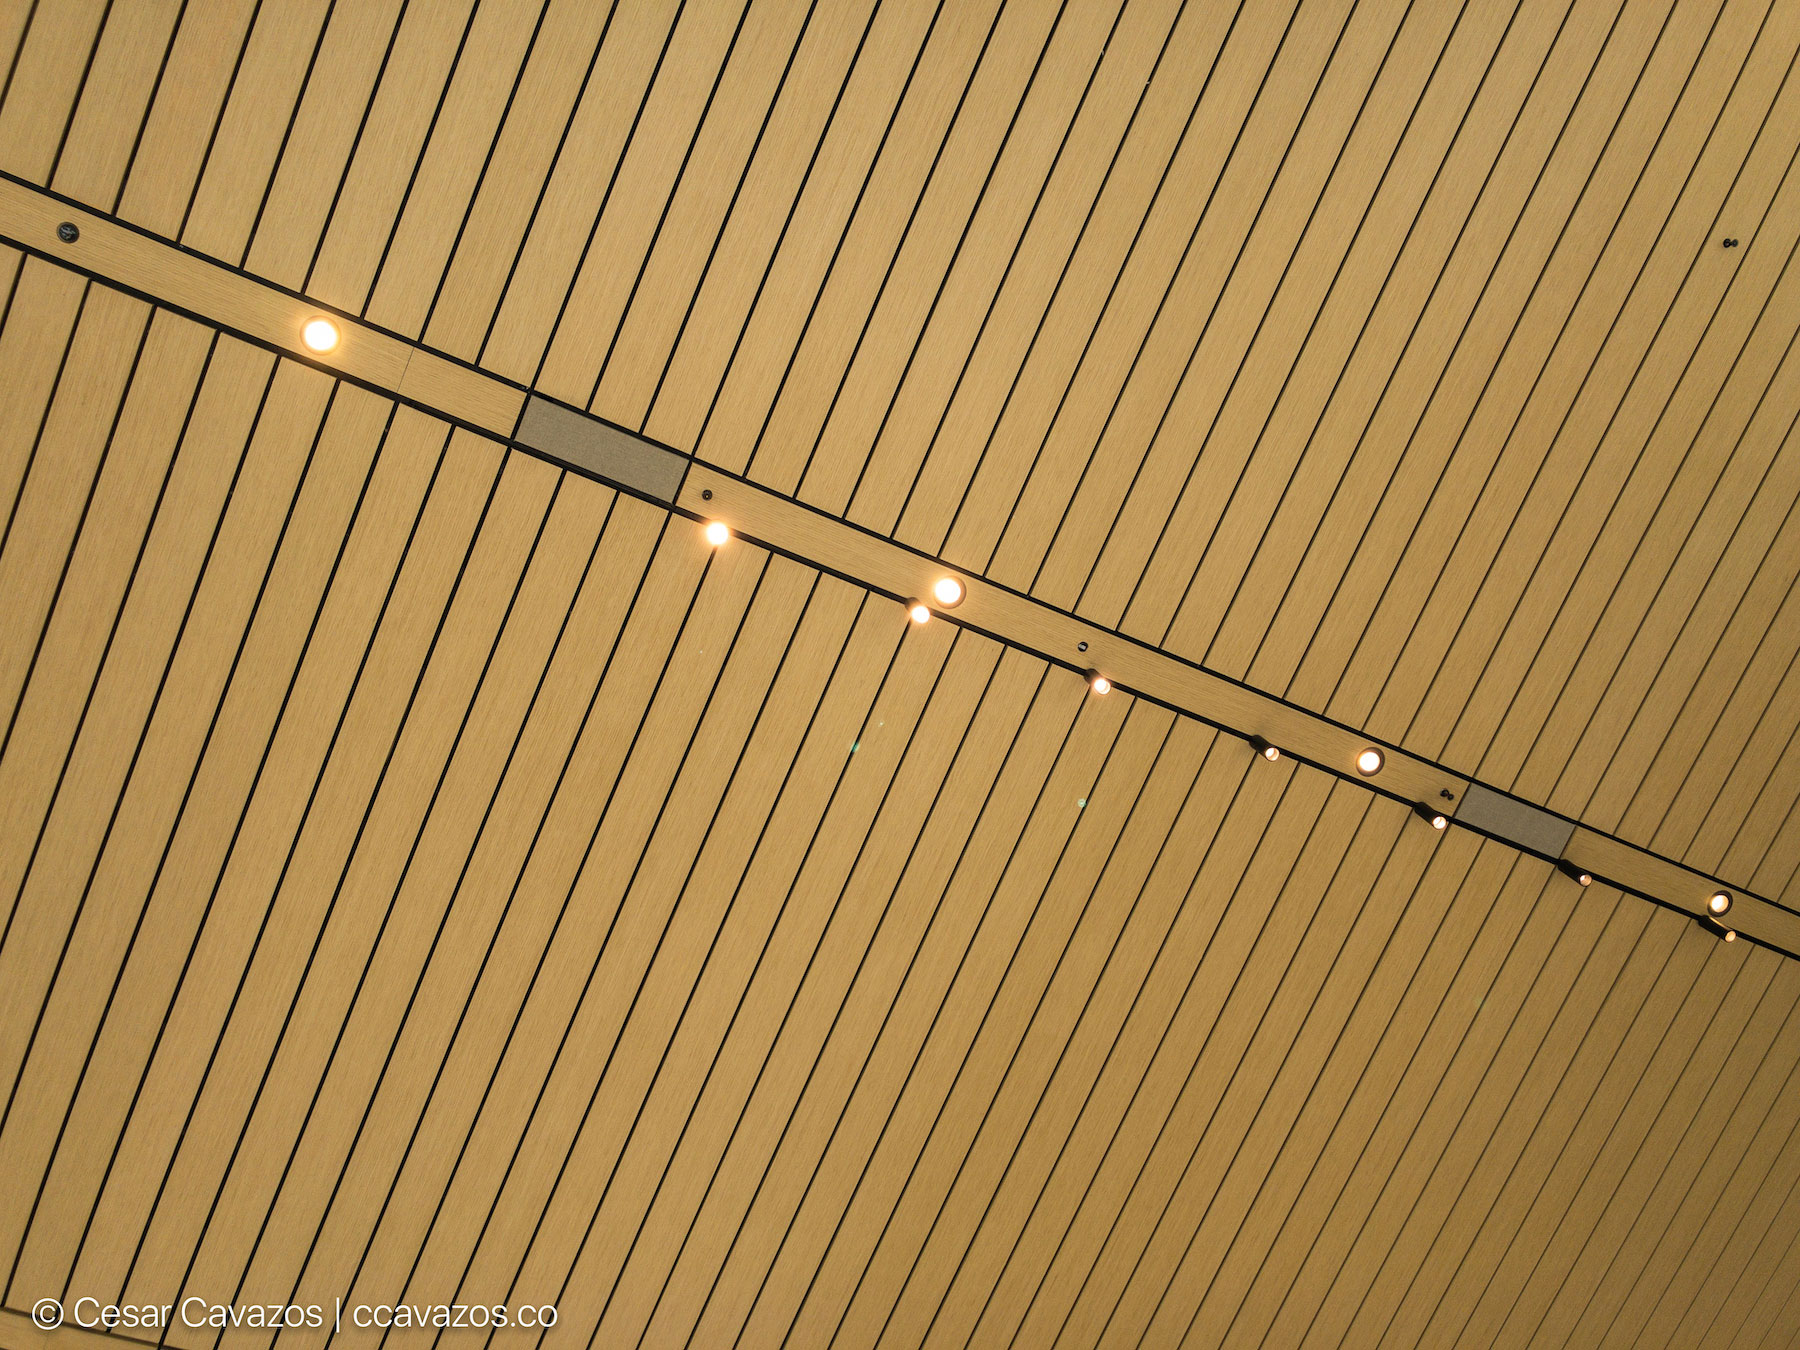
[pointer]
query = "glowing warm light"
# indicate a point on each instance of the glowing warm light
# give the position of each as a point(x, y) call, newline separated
point(918, 613)
point(1265, 749)
point(319, 335)
point(1098, 682)
point(1370, 761)
point(1731, 935)
point(947, 591)
point(1569, 869)
point(1438, 822)
point(717, 532)
point(1718, 902)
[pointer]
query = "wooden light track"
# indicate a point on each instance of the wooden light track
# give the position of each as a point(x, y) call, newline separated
point(239, 303)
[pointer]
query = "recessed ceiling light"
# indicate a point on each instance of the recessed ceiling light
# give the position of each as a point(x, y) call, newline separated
point(1369, 762)
point(1718, 902)
point(1437, 818)
point(947, 591)
point(918, 612)
point(1265, 749)
point(717, 532)
point(320, 334)
point(1098, 682)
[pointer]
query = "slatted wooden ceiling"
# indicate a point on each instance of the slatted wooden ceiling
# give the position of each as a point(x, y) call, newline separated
point(430, 874)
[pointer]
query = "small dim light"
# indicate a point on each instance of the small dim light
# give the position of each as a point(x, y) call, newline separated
point(1437, 819)
point(948, 592)
point(1369, 762)
point(717, 532)
point(319, 335)
point(1580, 876)
point(1718, 902)
point(1098, 682)
point(1264, 748)
point(917, 611)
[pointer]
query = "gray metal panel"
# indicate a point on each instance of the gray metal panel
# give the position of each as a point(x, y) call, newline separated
point(1513, 820)
point(586, 443)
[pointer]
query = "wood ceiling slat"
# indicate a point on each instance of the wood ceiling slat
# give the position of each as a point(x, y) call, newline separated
point(1352, 119)
point(385, 159)
point(1106, 259)
point(947, 743)
point(141, 842)
point(1711, 1220)
point(200, 1235)
point(1659, 509)
point(654, 785)
point(153, 1159)
point(42, 313)
point(696, 1057)
point(173, 144)
point(1322, 495)
point(1444, 925)
point(994, 296)
point(1756, 771)
point(638, 42)
point(783, 179)
point(444, 177)
point(253, 128)
point(1284, 1059)
point(1310, 664)
point(560, 68)
point(975, 1122)
point(929, 1024)
point(1524, 579)
point(1522, 1223)
point(43, 82)
point(104, 124)
point(1673, 726)
point(194, 921)
point(101, 794)
point(669, 921)
point(350, 1150)
point(1064, 1050)
point(657, 293)
point(1444, 62)
point(937, 49)
point(1648, 1191)
point(679, 278)
point(354, 51)
point(652, 616)
point(668, 122)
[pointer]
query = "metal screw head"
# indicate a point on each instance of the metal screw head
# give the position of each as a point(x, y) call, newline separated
point(706, 494)
point(1081, 646)
point(67, 232)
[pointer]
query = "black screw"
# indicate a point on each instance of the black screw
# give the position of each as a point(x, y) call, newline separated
point(1730, 243)
point(1081, 646)
point(1447, 794)
point(67, 232)
point(706, 494)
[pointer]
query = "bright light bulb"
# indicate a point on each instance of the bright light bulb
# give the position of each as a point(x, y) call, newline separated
point(1718, 902)
point(1438, 822)
point(1271, 754)
point(918, 613)
point(1370, 762)
point(948, 592)
point(1098, 682)
point(717, 532)
point(319, 335)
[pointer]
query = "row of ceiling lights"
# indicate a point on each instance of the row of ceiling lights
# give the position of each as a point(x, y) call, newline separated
point(948, 592)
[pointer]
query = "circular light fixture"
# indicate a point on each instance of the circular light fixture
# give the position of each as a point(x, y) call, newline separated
point(1264, 748)
point(917, 611)
point(1437, 819)
point(1580, 875)
point(319, 335)
point(717, 532)
point(948, 592)
point(1098, 682)
point(1731, 935)
point(1718, 902)
point(1369, 762)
